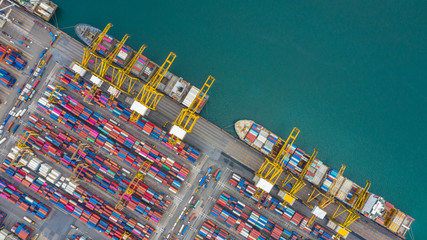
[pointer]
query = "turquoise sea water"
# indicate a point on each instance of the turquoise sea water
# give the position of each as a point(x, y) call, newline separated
point(350, 75)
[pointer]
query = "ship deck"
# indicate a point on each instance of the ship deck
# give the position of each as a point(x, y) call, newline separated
point(207, 137)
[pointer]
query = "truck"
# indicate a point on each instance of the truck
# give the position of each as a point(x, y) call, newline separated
point(29, 220)
point(202, 181)
point(185, 229)
point(35, 84)
point(9, 127)
point(191, 218)
point(197, 203)
point(217, 176)
point(42, 53)
point(15, 128)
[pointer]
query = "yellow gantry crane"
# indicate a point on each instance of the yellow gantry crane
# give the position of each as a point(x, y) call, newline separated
point(148, 96)
point(90, 50)
point(102, 68)
point(121, 75)
point(106, 62)
point(353, 214)
point(270, 171)
point(78, 170)
point(186, 119)
point(81, 166)
point(22, 142)
point(21, 153)
point(125, 236)
point(328, 198)
point(290, 197)
point(55, 94)
point(139, 177)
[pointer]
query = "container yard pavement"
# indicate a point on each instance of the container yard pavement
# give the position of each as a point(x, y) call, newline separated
point(219, 148)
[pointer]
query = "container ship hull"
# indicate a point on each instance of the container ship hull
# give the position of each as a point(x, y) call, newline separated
point(258, 137)
point(86, 32)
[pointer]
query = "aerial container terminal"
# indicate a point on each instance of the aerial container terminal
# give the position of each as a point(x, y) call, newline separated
point(112, 142)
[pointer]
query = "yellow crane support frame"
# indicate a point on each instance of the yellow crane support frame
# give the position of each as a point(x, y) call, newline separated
point(106, 62)
point(271, 170)
point(290, 196)
point(139, 177)
point(188, 117)
point(328, 197)
point(21, 153)
point(55, 93)
point(90, 50)
point(353, 213)
point(102, 68)
point(121, 75)
point(75, 174)
point(22, 142)
point(148, 95)
point(125, 236)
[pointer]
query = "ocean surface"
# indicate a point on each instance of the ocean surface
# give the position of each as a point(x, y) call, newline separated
point(351, 75)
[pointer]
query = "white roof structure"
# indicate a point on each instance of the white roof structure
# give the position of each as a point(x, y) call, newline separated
point(178, 132)
point(264, 185)
point(76, 68)
point(114, 91)
point(318, 212)
point(139, 108)
point(96, 80)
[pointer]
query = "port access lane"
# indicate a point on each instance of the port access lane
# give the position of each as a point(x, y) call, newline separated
point(205, 136)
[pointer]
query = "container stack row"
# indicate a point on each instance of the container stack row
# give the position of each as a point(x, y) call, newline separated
point(320, 233)
point(139, 65)
point(316, 172)
point(6, 79)
point(251, 224)
point(229, 218)
point(210, 231)
point(122, 55)
point(145, 201)
point(11, 57)
point(24, 201)
point(106, 44)
point(84, 205)
point(243, 186)
point(109, 137)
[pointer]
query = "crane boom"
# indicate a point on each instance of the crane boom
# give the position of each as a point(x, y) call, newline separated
point(270, 171)
point(342, 229)
point(186, 119)
point(289, 197)
point(90, 50)
point(139, 177)
point(148, 97)
point(121, 75)
point(106, 62)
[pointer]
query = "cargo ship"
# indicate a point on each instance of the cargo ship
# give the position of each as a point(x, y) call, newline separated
point(86, 32)
point(320, 175)
point(258, 137)
point(175, 87)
